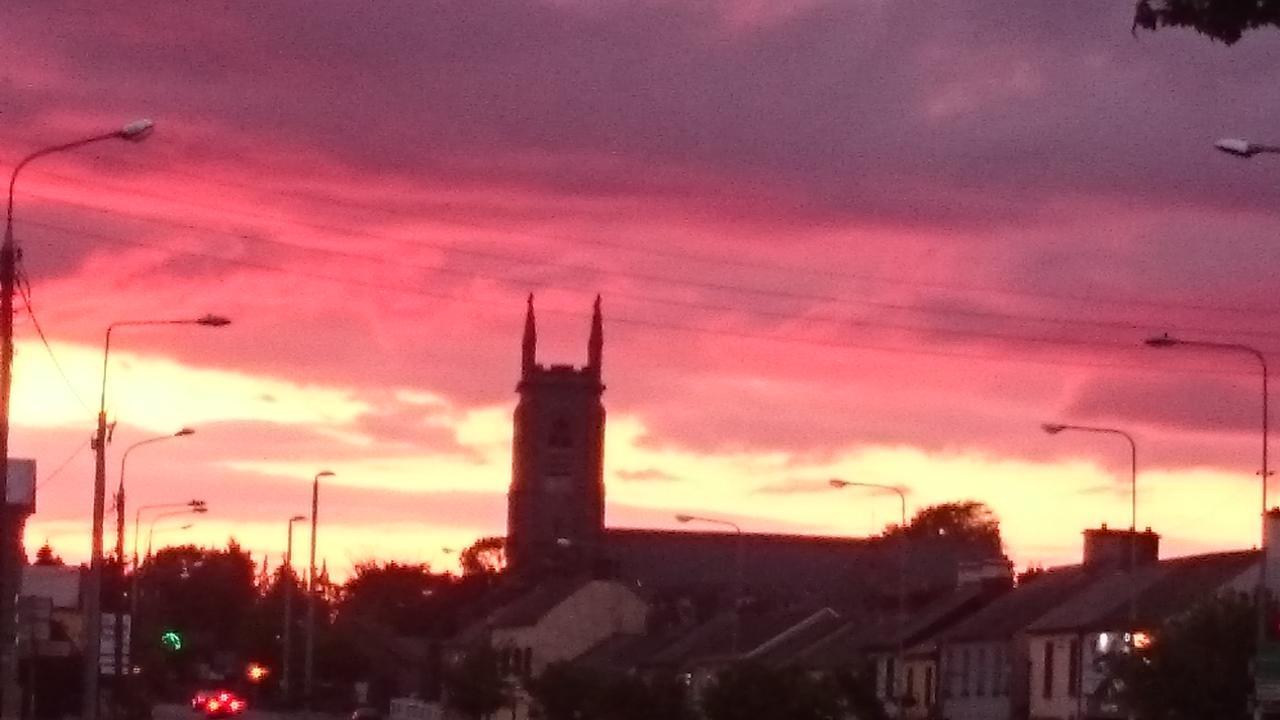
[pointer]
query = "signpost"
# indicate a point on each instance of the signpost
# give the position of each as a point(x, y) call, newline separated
point(107, 655)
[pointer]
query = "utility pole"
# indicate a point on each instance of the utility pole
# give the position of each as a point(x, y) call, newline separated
point(134, 131)
point(9, 699)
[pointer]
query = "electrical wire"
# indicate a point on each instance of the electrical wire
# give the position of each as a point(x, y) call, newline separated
point(24, 289)
point(1126, 326)
point(640, 322)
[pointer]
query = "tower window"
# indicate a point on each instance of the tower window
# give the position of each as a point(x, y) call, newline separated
point(560, 436)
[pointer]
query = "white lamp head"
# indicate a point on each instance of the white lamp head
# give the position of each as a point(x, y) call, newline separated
point(137, 130)
point(1236, 146)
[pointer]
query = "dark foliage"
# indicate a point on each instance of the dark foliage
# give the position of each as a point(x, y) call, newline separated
point(475, 685)
point(486, 556)
point(1222, 20)
point(1197, 665)
point(567, 692)
point(969, 522)
point(46, 556)
point(753, 692)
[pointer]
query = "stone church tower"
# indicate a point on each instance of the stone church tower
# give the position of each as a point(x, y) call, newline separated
point(555, 507)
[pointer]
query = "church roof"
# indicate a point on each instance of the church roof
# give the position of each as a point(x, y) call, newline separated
point(822, 569)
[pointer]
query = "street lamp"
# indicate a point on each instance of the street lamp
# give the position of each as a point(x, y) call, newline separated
point(134, 131)
point(309, 657)
point(840, 484)
point(286, 586)
point(151, 532)
point(120, 558)
point(1243, 148)
point(1165, 341)
point(1054, 429)
point(739, 559)
point(93, 599)
point(196, 506)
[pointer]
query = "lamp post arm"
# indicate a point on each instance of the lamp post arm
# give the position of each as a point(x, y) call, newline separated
point(13, 177)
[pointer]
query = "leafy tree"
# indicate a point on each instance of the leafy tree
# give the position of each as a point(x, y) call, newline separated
point(46, 557)
point(474, 684)
point(1197, 665)
point(755, 692)
point(205, 597)
point(968, 521)
point(486, 556)
point(567, 692)
point(404, 597)
point(1225, 20)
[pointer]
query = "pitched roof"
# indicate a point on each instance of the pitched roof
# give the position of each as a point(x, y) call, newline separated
point(1157, 591)
point(528, 607)
point(1012, 612)
point(823, 569)
point(850, 642)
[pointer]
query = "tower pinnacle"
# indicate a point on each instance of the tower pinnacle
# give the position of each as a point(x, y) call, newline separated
point(595, 346)
point(529, 348)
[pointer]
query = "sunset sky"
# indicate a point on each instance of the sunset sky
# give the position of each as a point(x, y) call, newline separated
point(867, 239)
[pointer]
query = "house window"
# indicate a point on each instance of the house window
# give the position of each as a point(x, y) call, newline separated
point(928, 686)
point(1073, 668)
point(887, 691)
point(1047, 680)
point(964, 673)
point(526, 662)
point(911, 685)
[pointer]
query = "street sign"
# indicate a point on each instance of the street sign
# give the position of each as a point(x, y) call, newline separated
point(107, 655)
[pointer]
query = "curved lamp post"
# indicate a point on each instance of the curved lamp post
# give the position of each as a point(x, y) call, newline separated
point(738, 565)
point(197, 507)
point(93, 593)
point(840, 484)
point(134, 131)
point(120, 557)
point(309, 658)
point(286, 638)
point(1165, 341)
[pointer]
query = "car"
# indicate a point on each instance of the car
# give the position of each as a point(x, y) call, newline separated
point(218, 703)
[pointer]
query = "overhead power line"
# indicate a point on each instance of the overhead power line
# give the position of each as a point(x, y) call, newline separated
point(616, 318)
point(583, 270)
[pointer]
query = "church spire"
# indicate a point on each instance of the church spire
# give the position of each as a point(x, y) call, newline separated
point(595, 346)
point(528, 359)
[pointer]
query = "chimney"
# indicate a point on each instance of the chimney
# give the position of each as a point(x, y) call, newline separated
point(1107, 549)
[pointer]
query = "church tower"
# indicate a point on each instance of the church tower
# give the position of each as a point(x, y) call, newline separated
point(555, 507)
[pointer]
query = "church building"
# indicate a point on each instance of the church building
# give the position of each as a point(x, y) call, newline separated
point(556, 520)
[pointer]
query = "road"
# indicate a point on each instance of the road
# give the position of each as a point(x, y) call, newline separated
point(184, 712)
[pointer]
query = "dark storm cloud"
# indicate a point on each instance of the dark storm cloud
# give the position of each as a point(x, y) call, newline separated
point(941, 112)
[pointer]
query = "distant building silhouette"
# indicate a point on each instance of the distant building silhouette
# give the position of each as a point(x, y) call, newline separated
point(555, 513)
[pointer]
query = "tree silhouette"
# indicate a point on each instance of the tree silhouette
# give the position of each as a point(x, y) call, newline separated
point(756, 692)
point(46, 557)
point(1196, 666)
point(967, 522)
point(1223, 20)
point(474, 684)
point(486, 556)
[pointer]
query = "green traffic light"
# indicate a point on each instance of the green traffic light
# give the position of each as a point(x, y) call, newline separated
point(171, 640)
